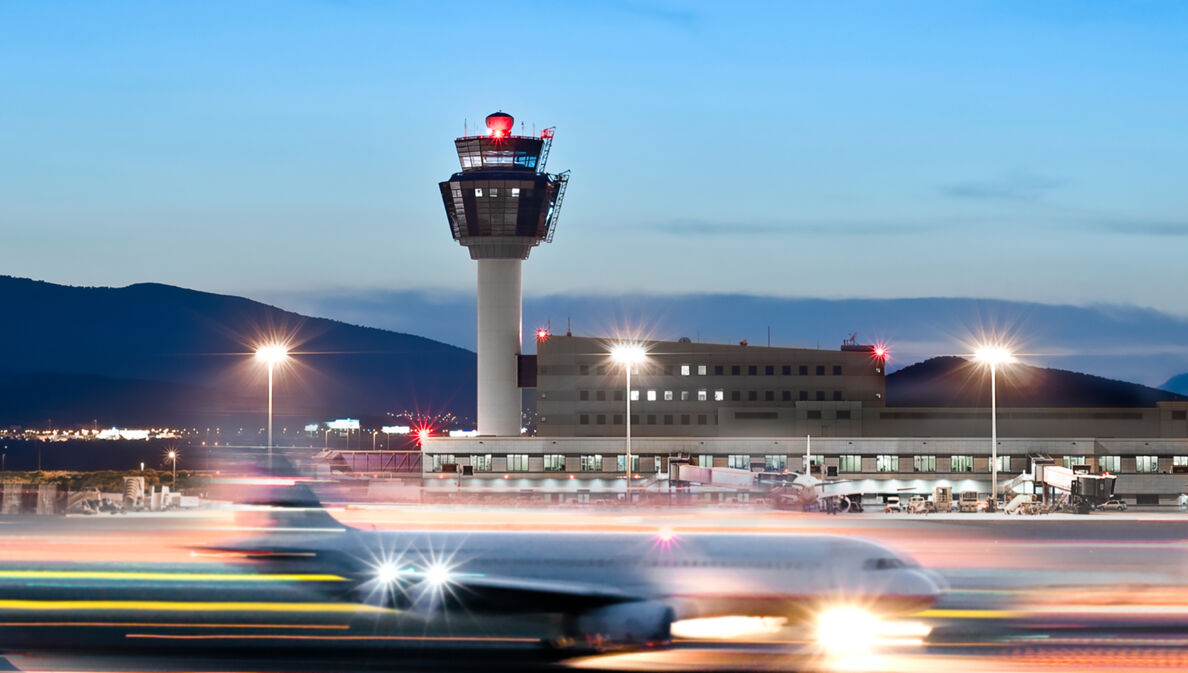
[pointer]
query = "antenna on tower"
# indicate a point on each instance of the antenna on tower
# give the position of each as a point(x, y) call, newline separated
point(464, 133)
point(568, 326)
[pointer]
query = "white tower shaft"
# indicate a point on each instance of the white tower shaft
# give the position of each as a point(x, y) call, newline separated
point(499, 342)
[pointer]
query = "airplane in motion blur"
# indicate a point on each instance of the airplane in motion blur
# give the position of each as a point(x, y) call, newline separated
point(579, 590)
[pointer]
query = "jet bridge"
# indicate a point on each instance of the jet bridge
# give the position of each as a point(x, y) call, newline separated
point(1061, 487)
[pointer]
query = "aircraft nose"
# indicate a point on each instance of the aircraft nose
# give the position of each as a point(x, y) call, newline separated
point(926, 583)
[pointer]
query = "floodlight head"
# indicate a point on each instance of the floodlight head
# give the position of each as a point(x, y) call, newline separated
point(628, 354)
point(994, 355)
point(172, 455)
point(272, 353)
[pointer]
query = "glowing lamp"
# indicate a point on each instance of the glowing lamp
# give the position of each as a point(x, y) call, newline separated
point(437, 575)
point(423, 434)
point(387, 573)
point(994, 355)
point(499, 125)
point(880, 352)
point(542, 334)
point(272, 354)
point(628, 353)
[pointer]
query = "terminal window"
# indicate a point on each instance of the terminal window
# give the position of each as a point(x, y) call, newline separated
point(705, 461)
point(684, 370)
point(962, 464)
point(667, 395)
point(517, 462)
point(583, 395)
point(1179, 460)
point(584, 419)
point(701, 395)
point(803, 370)
point(769, 395)
point(719, 395)
point(837, 370)
point(849, 463)
point(1004, 463)
point(621, 462)
point(554, 462)
point(820, 370)
point(651, 395)
point(886, 463)
point(769, 370)
point(591, 462)
point(1110, 463)
point(1146, 463)
point(600, 395)
point(481, 463)
point(787, 370)
point(775, 463)
point(735, 370)
point(843, 414)
point(701, 370)
point(1069, 461)
point(752, 370)
point(634, 395)
point(924, 463)
point(739, 461)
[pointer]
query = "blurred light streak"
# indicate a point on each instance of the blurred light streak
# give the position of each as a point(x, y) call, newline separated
point(185, 606)
point(723, 628)
point(140, 576)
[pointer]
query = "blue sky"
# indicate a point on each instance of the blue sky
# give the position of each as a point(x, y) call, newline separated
point(1019, 150)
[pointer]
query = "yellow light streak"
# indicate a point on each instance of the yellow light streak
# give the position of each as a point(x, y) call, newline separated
point(183, 625)
point(164, 576)
point(189, 606)
point(969, 614)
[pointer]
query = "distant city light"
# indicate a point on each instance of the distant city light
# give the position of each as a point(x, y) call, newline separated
point(464, 433)
point(312, 427)
point(343, 424)
point(396, 429)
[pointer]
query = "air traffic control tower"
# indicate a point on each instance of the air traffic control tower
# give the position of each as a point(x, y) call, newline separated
point(500, 206)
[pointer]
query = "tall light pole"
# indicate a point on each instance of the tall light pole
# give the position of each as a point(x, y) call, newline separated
point(993, 356)
point(271, 355)
point(628, 355)
point(173, 481)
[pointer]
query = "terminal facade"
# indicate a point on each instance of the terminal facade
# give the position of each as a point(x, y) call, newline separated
point(756, 408)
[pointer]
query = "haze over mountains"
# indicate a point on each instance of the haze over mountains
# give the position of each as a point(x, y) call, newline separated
point(1125, 343)
point(156, 354)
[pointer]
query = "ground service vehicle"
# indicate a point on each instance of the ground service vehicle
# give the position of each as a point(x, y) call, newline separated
point(969, 501)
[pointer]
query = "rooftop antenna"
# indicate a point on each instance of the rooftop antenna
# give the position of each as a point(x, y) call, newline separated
point(769, 336)
point(568, 326)
point(464, 132)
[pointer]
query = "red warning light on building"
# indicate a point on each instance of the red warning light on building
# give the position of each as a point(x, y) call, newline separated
point(542, 334)
point(499, 124)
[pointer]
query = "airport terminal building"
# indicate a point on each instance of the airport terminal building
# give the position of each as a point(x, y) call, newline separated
point(756, 408)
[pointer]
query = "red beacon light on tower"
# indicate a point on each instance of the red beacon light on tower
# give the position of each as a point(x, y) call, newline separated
point(542, 334)
point(499, 125)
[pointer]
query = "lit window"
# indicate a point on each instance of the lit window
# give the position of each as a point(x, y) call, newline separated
point(494, 192)
point(701, 395)
point(924, 463)
point(634, 395)
point(684, 370)
point(1110, 463)
point(517, 462)
point(961, 464)
point(651, 395)
point(591, 463)
point(443, 459)
point(1179, 460)
point(1146, 463)
point(1004, 463)
point(705, 461)
point(719, 395)
point(739, 461)
point(850, 463)
point(478, 191)
point(701, 370)
point(481, 463)
point(554, 462)
point(684, 395)
point(1070, 461)
point(515, 192)
point(667, 395)
point(775, 463)
point(621, 463)
point(886, 463)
